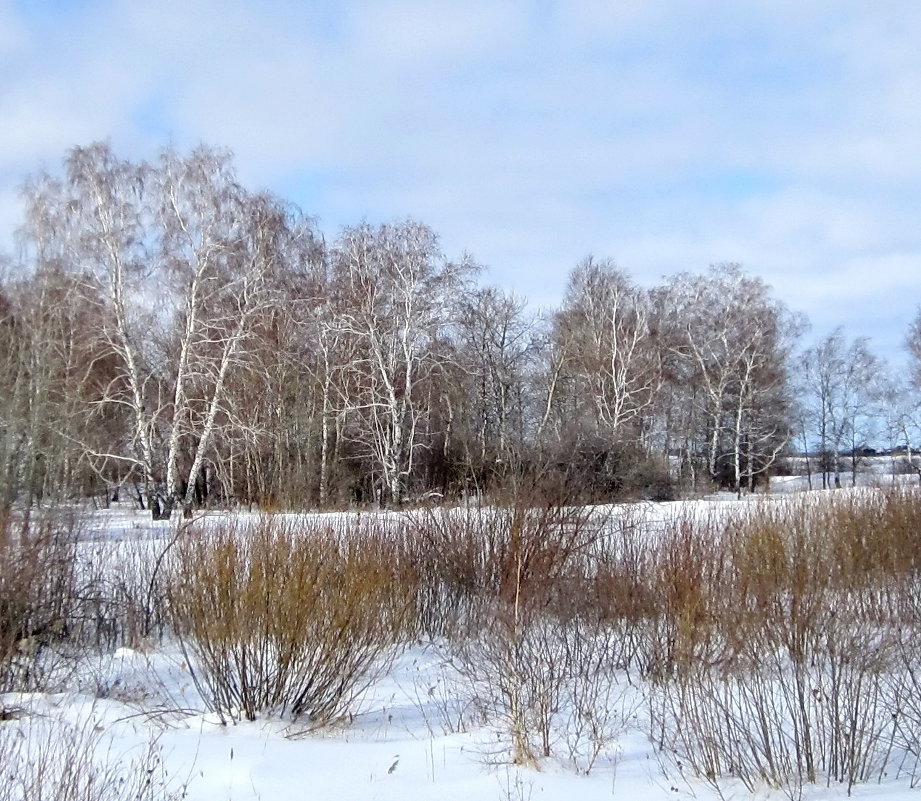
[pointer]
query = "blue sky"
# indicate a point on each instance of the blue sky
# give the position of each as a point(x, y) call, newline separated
point(668, 135)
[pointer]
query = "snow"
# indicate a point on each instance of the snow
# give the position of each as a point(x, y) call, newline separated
point(396, 749)
point(413, 737)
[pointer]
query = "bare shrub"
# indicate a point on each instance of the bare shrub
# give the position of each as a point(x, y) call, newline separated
point(793, 661)
point(441, 698)
point(550, 683)
point(39, 593)
point(785, 722)
point(288, 618)
point(516, 678)
point(466, 559)
point(597, 704)
point(126, 601)
point(778, 638)
point(874, 534)
point(514, 598)
point(64, 595)
point(612, 588)
point(905, 689)
point(684, 573)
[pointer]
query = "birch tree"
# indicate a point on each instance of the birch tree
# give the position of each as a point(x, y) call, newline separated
point(903, 409)
point(98, 220)
point(181, 257)
point(839, 380)
point(730, 342)
point(397, 295)
point(607, 329)
point(219, 246)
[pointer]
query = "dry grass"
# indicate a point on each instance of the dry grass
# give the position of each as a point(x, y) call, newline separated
point(52, 760)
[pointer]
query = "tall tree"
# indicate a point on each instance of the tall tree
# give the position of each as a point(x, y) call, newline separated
point(729, 342)
point(495, 345)
point(95, 223)
point(184, 261)
point(397, 295)
point(839, 385)
point(608, 335)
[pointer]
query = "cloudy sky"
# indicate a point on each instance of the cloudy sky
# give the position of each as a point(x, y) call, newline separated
point(667, 134)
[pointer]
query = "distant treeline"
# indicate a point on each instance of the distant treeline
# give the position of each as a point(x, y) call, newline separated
point(169, 334)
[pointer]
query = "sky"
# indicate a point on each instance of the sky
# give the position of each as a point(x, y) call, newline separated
point(666, 134)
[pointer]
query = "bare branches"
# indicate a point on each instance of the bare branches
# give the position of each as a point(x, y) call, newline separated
point(730, 341)
point(395, 296)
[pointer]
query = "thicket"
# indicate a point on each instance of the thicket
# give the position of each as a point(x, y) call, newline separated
point(791, 641)
point(773, 643)
point(67, 593)
point(63, 600)
point(41, 599)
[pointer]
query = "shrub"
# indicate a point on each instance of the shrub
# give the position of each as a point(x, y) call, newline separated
point(288, 618)
point(550, 682)
point(511, 588)
point(39, 599)
point(521, 554)
point(796, 668)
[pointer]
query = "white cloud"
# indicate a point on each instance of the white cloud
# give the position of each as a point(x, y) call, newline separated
point(667, 134)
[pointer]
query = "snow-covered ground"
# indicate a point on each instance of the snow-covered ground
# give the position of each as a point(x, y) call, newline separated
point(399, 746)
point(872, 471)
point(411, 738)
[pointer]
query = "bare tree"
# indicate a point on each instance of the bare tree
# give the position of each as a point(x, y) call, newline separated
point(397, 294)
point(496, 346)
point(95, 222)
point(906, 410)
point(51, 362)
point(902, 421)
point(335, 351)
point(729, 342)
point(913, 346)
point(220, 246)
point(608, 333)
point(183, 261)
point(839, 380)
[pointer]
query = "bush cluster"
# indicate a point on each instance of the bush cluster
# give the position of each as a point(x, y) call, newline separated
point(288, 618)
point(40, 597)
point(789, 645)
point(774, 643)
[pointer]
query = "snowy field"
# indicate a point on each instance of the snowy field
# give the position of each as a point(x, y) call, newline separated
point(125, 713)
point(397, 748)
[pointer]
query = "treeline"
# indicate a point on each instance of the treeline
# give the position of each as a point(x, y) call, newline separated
point(170, 334)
